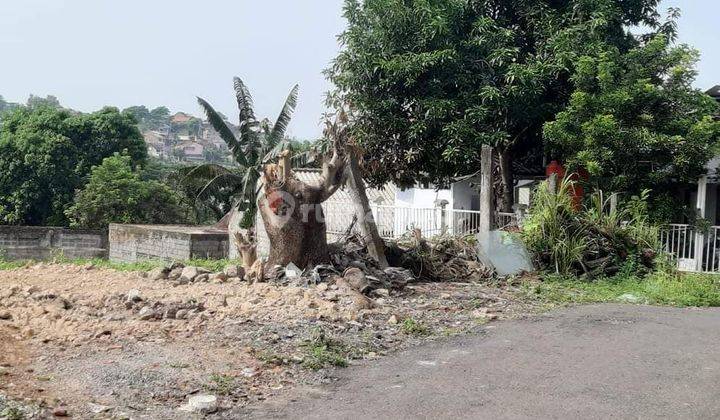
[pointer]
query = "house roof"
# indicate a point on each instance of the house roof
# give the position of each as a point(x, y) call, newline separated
point(714, 92)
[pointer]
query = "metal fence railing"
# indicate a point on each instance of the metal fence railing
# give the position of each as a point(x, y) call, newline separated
point(693, 249)
point(395, 221)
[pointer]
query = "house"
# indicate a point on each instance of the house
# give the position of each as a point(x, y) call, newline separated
point(181, 118)
point(714, 92)
point(192, 151)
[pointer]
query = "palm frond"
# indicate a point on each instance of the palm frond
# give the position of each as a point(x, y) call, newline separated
point(223, 130)
point(283, 120)
point(244, 101)
point(214, 187)
point(205, 171)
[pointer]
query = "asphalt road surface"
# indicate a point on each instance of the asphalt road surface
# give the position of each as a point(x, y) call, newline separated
point(599, 361)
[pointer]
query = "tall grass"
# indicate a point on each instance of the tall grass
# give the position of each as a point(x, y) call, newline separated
point(589, 240)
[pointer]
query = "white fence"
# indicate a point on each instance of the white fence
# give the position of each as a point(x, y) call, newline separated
point(693, 249)
point(394, 222)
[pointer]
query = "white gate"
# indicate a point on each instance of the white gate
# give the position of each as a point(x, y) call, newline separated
point(693, 249)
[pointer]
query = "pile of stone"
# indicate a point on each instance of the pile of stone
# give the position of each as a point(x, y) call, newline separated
point(148, 311)
point(179, 273)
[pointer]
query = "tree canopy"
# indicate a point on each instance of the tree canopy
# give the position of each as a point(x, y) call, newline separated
point(635, 121)
point(115, 193)
point(429, 81)
point(46, 152)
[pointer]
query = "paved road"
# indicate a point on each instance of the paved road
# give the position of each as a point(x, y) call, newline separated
point(601, 361)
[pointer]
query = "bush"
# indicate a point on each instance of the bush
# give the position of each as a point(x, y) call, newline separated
point(117, 194)
point(591, 241)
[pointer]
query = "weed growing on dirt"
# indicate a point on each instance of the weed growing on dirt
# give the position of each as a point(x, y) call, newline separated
point(221, 384)
point(213, 265)
point(412, 327)
point(12, 413)
point(322, 350)
point(658, 288)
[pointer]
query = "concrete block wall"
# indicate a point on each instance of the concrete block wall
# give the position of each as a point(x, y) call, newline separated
point(41, 242)
point(131, 243)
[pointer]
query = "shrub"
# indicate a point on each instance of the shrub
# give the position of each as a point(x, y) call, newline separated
point(592, 241)
point(117, 194)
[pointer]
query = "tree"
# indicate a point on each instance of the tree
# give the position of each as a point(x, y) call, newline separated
point(255, 144)
point(430, 81)
point(45, 154)
point(149, 119)
point(117, 194)
point(634, 121)
point(38, 102)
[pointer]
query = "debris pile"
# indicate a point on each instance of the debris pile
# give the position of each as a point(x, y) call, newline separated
point(442, 258)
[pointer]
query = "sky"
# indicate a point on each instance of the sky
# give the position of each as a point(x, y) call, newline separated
point(92, 53)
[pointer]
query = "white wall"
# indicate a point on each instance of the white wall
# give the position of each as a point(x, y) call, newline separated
point(421, 197)
point(465, 195)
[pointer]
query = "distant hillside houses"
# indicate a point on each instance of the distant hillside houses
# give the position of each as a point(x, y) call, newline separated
point(186, 138)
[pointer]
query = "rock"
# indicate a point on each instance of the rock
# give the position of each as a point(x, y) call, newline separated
point(249, 372)
point(218, 277)
point(234, 270)
point(3, 371)
point(160, 273)
point(322, 287)
point(292, 271)
point(6, 316)
point(189, 273)
point(134, 296)
point(175, 273)
point(204, 404)
point(60, 412)
point(393, 320)
point(202, 278)
point(382, 292)
point(98, 408)
point(356, 279)
point(146, 313)
point(361, 301)
point(181, 314)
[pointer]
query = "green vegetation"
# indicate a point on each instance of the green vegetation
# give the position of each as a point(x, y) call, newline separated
point(12, 413)
point(658, 288)
point(322, 351)
point(441, 78)
point(149, 119)
point(116, 193)
point(635, 122)
point(221, 384)
point(256, 143)
point(213, 265)
point(592, 241)
point(412, 327)
point(45, 154)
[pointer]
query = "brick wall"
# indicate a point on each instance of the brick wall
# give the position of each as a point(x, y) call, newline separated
point(39, 243)
point(131, 243)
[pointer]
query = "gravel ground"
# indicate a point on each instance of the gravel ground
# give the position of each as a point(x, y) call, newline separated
point(97, 343)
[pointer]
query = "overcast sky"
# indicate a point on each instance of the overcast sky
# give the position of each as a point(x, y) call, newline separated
point(91, 53)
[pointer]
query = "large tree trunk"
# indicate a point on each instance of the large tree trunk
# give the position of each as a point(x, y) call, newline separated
point(292, 215)
point(507, 180)
point(366, 221)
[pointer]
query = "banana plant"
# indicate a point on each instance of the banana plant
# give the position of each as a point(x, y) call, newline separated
point(256, 143)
